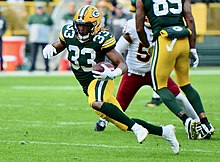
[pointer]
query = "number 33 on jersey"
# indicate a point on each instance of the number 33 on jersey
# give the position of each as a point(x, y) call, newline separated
point(84, 55)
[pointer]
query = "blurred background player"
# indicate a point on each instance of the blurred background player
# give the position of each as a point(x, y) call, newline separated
point(3, 28)
point(87, 2)
point(104, 8)
point(39, 26)
point(68, 17)
point(119, 19)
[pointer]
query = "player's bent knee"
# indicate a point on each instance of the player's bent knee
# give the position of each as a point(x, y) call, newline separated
point(97, 105)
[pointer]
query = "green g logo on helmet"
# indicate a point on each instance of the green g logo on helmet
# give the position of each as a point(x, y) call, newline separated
point(95, 13)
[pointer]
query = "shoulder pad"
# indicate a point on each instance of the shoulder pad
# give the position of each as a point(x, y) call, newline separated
point(67, 32)
point(104, 33)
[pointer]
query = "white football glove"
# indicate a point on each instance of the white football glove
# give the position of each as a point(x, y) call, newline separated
point(48, 51)
point(194, 57)
point(107, 74)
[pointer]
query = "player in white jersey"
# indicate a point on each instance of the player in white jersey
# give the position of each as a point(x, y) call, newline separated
point(136, 59)
point(138, 74)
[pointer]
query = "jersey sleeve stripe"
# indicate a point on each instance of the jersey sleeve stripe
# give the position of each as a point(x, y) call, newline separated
point(61, 37)
point(109, 42)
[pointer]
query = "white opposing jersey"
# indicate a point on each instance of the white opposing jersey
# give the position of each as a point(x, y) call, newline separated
point(138, 59)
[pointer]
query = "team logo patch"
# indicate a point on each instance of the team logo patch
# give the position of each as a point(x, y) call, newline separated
point(95, 13)
point(177, 28)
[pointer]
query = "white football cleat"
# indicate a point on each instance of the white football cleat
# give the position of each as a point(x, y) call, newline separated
point(101, 125)
point(206, 131)
point(191, 128)
point(169, 135)
point(140, 132)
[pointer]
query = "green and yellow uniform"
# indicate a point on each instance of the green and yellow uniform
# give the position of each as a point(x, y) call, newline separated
point(172, 45)
point(83, 56)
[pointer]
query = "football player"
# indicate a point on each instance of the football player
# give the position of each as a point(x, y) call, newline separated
point(138, 74)
point(88, 45)
point(174, 44)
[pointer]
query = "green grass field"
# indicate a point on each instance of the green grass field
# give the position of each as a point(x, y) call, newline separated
point(50, 113)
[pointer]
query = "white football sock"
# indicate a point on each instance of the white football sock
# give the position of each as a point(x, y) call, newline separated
point(187, 107)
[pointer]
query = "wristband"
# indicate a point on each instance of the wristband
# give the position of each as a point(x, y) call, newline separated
point(117, 72)
point(193, 50)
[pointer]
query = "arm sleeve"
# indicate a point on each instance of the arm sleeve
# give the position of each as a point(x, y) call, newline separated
point(121, 45)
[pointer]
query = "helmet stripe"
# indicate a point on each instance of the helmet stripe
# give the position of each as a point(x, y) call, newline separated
point(83, 11)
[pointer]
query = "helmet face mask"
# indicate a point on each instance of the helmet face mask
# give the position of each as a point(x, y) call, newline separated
point(84, 30)
point(87, 15)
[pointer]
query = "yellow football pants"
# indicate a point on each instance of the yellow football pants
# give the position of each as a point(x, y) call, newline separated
point(102, 91)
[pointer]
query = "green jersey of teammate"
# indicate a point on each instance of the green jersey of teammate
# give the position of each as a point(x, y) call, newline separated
point(161, 16)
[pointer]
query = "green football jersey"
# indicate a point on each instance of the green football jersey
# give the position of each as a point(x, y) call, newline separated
point(163, 13)
point(84, 55)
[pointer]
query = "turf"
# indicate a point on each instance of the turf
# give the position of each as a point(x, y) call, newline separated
point(47, 118)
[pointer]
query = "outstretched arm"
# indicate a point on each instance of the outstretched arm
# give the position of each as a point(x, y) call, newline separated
point(52, 50)
point(59, 46)
point(140, 18)
point(189, 21)
point(187, 13)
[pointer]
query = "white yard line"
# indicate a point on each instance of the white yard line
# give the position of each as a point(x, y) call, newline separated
point(36, 74)
point(103, 146)
point(204, 72)
point(198, 71)
point(75, 123)
point(23, 87)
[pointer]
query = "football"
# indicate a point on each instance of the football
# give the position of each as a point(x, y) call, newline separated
point(98, 67)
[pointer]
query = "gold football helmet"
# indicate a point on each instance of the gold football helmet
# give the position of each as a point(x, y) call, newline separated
point(88, 15)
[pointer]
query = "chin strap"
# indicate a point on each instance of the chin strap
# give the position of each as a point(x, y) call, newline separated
point(84, 37)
